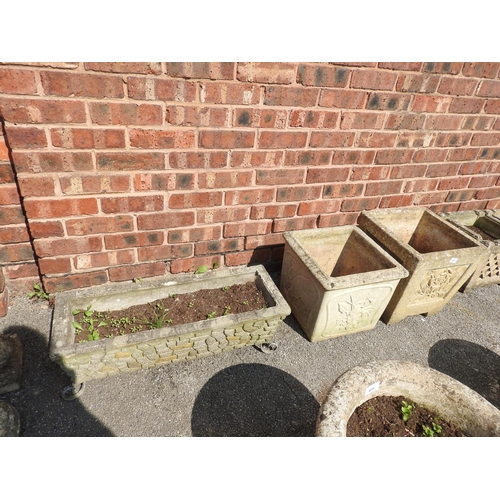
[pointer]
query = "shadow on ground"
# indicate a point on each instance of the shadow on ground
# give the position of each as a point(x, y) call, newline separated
point(254, 400)
point(39, 402)
point(469, 363)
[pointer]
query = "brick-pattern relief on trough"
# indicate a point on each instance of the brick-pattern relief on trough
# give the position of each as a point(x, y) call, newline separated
point(133, 169)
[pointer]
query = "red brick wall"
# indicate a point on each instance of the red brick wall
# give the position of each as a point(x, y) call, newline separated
point(135, 169)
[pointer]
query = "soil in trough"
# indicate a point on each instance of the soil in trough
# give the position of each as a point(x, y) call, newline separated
point(382, 416)
point(480, 232)
point(173, 310)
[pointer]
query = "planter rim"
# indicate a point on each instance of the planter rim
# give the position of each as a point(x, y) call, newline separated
point(396, 272)
point(457, 219)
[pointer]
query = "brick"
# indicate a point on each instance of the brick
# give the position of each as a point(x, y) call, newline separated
point(219, 246)
point(47, 229)
point(313, 119)
point(431, 104)
point(17, 252)
point(418, 83)
point(63, 84)
point(4, 151)
point(308, 157)
point(13, 234)
point(131, 204)
point(128, 273)
point(4, 302)
point(327, 174)
point(405, 121)
point(415, 139)
point(322, 76)
point(264, 240)
point(383, 188)
point(221, 139)
point(492, 106)
point(294, 224)
point(84, 138)
point(489, 154)
point(194, 234)
point(281, 140)
point(266, 72)
point(164, 252)
point(87, 184)
point(146, 68)
point(26, 138)
point(280, 176)
point(132, 240)
point(9, 195)
point(318, 207)
point(343, 99)
point(36, 186)
point(339, 219)
point(353, 157)
point(197, 116)
point(67, 246)
point(260, 118)
point(467, 105)
point(256, 158)
point(396, 201)
point(443, 122)
point(214, 159)
point(359, 120)
point(388, 102)
point(22, 270)
point(161, 139)
point(462, 195)
point(11, 215)
point(359, 204)
point(55, 208)
point(475, 205)
point(442, 170)
point(165, 220)
point(370, 173)
point(153, 89)
point(297, 193)
point(190, 265)
point(42, 111)
point(237, 229)
point(372, 79)
point(55, 266)
point(104, 259)
point(376, 139)
point(429, 155)
point(221, 214)
point(407, 171)
point(454, 139)
point(195, 200)
point(331, 139)
point(80, 280)
point(402, 66)
point(478, 122)
point(481, 69)
point(462, 154)
point(416, 186)
point(223, 180)
point(486, 139)
point(273, 211)
point(489, 193)
point(52, 161)
point(473, 168)
point(457, 86)
point(17, 81)
point(103, 113)
point(483, 181)
point(98, 225)
point(489, 88)
point(249, 196)
point(442, 67)
point(130, 161)
point(200, 70)
point(343, 190)
point(229, 93)
point(290, 96)
point(249, 257)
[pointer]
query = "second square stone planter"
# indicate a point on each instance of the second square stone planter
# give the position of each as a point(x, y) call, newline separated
point(439, 257)
point(336, 280)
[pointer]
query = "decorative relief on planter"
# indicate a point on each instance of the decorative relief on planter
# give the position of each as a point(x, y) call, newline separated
point(438, 282)
point(336, 280)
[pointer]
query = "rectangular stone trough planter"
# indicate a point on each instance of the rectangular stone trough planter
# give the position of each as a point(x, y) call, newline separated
point(337, 280)
point(147, 349)
point(488, 273)
point(439, 257)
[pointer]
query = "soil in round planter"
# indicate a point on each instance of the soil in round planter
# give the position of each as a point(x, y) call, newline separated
point(176, 309)
point(383, 416)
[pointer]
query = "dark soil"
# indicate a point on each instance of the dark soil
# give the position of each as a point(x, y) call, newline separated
point(174, 310)
point(382, 416)
point(480, 232)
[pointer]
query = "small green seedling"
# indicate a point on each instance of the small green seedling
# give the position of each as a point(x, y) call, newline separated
point(190, 305)
point(215, 265)
point(137, 280)
point(406, 410)
point(428, 432)
point(225, 288)
point(38, 292)
point(201, 270)
point(226, 310)
point(211, 315)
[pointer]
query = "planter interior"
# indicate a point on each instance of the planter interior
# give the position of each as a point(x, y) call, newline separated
point(145, 349)
point(438, 392)
point(336, 280)
point(488, 273)
point(439, 257)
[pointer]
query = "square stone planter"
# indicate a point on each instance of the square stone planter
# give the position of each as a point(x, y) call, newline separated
point(485, 227)
point(146, 349)
point(439, 257)
point(337, 280)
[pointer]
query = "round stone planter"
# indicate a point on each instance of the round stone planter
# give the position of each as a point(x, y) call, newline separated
point(436, 391)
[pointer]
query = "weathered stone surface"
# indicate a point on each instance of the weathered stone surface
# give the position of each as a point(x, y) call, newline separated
point(10, 423)
point(11, 362)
